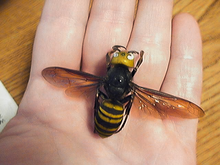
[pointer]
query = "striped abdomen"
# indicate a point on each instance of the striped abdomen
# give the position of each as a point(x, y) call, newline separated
point(108, 118)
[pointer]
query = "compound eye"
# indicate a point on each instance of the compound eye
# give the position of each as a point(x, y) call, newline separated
point(115, 54)
point(130, 56)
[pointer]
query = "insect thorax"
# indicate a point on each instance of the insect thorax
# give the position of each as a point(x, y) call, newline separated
point(117, 82)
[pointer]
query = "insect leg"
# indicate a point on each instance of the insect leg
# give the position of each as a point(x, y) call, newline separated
point(99, 94)
point(128, 99)
point(138, 63)
point(96, 101)
point(108, 60)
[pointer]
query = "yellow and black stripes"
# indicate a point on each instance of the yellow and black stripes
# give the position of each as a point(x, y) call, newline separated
point(108, 118)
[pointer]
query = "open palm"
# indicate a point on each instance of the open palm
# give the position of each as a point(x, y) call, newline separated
point(52, 128)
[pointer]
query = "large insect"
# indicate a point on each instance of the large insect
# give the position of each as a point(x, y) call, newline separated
point(114, 102)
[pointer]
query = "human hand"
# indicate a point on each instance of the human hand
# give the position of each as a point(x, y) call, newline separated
point(51, 128)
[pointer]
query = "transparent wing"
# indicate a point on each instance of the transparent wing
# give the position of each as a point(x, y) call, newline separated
point(159, 104)
point(72, 80)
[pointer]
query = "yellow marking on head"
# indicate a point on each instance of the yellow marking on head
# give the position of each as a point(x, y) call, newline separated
point(124, 58)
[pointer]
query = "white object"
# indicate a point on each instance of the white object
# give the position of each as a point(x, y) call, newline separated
point(8, 107)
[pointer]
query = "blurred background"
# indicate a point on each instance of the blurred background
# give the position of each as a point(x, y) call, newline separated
point(18, 23)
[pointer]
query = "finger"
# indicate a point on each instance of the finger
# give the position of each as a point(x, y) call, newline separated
point(184, 76)
point(60, 34)
point(110, 23)
point(152, 33)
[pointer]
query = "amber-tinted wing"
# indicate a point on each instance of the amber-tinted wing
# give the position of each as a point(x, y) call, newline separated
point(159, 104)
point(73, 80)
